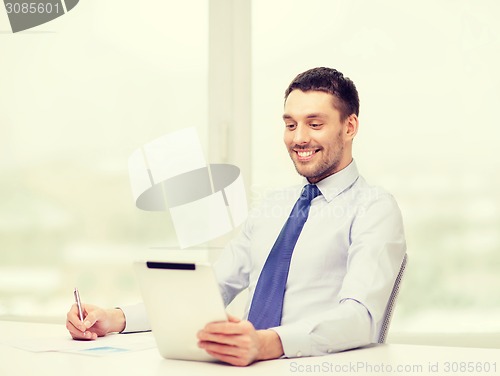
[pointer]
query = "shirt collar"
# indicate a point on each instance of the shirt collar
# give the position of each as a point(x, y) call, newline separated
point(337, 183)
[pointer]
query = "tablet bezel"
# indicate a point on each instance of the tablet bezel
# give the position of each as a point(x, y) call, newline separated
point(180, 299)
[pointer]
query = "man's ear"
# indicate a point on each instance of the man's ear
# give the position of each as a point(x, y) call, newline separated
point(351, 126)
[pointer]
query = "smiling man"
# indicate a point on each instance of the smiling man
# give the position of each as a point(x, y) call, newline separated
point(348, 252)
point(319, 259)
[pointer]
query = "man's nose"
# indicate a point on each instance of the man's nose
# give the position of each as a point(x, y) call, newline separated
point(301, 134)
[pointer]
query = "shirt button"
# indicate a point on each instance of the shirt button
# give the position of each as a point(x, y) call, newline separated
point(299, 354)
point(329, 351)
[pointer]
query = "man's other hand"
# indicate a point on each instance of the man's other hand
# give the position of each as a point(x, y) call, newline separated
point(238, 343)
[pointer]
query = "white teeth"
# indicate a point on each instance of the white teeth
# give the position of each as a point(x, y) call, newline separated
point(304, 154)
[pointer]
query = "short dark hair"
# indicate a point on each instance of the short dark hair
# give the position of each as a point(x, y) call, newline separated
point(330, 81)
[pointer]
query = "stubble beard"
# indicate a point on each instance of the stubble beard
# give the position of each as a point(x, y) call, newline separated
point(323, 167)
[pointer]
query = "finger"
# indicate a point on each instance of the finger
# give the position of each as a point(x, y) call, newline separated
point(73, 331)
point(87, 336)
point(90, 335)
point(240, 327)
point(78, 334)
point(72, 317)
point(220, 348)
point(228, 340)
point(234, 360)
point(240, 341)
point(225, 327)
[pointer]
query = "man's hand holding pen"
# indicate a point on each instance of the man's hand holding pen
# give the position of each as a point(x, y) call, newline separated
point(87, 322)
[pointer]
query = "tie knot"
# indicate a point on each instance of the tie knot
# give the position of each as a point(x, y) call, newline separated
point(310, 191)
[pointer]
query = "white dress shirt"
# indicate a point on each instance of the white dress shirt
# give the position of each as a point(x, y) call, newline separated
point(343, 266)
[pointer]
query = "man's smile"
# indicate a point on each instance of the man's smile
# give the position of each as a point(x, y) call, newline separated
point(304, 155)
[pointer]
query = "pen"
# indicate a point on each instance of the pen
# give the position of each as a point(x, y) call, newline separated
point(78, 304)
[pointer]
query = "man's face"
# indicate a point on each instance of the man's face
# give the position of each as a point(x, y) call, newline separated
point(317, 141)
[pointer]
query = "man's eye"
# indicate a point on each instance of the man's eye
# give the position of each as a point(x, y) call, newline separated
point(314, 125)
point(290, 126)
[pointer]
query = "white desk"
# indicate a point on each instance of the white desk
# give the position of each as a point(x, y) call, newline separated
point(376, 360)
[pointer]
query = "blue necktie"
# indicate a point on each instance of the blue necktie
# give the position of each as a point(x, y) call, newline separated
point(267, 303)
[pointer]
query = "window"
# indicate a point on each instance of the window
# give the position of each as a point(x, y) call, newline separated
point(78, 96)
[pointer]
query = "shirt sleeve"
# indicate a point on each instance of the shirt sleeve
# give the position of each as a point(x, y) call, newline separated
point(342, 328)
point(376, 251)
point(136, 318)
point(232, 269)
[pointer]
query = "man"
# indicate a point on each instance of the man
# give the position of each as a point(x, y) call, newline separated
point(345, 258)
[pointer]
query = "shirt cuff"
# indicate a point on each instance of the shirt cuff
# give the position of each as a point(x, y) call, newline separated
point(295, 343)
point(136, 318)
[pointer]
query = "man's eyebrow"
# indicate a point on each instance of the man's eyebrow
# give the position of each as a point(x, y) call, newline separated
point(309, 116)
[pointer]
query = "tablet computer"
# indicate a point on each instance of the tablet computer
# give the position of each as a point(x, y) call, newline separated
point(180, 299)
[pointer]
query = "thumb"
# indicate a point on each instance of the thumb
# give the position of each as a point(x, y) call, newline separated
point(93, 315)
point(232, 318)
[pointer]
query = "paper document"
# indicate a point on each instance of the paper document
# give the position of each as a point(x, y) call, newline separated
point(110, 344)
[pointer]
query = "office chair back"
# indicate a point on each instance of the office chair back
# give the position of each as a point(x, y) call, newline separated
point(391, 303)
